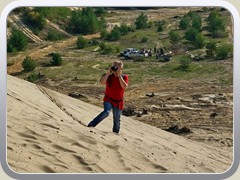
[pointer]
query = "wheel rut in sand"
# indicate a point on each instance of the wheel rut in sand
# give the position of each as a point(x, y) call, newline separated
point(59, 105)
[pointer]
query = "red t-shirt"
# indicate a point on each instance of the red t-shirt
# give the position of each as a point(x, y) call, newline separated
point(114, 91)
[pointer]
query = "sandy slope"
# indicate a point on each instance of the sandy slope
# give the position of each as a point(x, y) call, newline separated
point(46, 132)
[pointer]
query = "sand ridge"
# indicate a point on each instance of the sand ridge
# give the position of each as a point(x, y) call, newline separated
point(47, 133)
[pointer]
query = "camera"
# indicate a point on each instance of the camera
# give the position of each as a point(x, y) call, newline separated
point(114, 68)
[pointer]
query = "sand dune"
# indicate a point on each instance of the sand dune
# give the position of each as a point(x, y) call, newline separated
point(47, 133)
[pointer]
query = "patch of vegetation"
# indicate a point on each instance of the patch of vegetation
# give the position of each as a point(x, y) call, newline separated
point(54, 35)
point(85, 21)
point(35, 20)
point(29, 64)
point(81, 42)
point(56, 59)
point(17, 42)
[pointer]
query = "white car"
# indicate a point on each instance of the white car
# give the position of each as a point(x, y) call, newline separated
point(132, 54)
point(127, 51)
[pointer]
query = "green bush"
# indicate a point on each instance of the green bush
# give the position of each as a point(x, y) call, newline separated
point(174, 36)
point(81, 42)
point(28, 64)
point(216, 24)
point(211, 47)
point(184, 63)
point(184, 22)
point(141, 21)
point(33, 77)
point(191, 34)
point(199, 41)
point(103, 34)
point(102, 45)
point(108, 49)
point(54, 35)
point(223, 51)
point(124, 29)
point(144, 39)
point(197, 22)
point(56, 59)
point(94, 42)
point(160, 27)
point(114, 35)
point(35, 19)
point(99, 11)
point(17, 42)
point(85, 21)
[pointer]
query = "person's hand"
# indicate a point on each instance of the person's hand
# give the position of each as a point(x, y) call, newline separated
point(119, 72)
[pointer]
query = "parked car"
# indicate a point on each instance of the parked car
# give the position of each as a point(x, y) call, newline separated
point(130, 55)
point(127, 51)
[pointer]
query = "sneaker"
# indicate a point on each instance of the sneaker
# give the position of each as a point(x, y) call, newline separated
point(90, 125)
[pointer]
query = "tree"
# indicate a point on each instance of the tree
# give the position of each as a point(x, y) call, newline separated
point(184, 22)
point(89, 21)
point(99, 11)
point(197, 22)
point(85, 21)
point(28, 64)
point(191, 34)
point(216, 25)
point(141, 21)
point(18, 41)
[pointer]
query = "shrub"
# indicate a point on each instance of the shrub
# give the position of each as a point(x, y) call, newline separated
point(103, 34)
point(17, 42)
point(216, 23)
point(56, 59)
point(35, 19)
point(174, 36)
point(114, 35)
point(54, 35)
point(197, 22)
point(184, 63)
point(160, 27)
point(108, 49)
point(102, 45)
point(184, 22)
point(223, 51)
point(100, 11)
point(81, 42)
point(199, 41)
point(141, 21)
point(85, 21)
point(144, 39)
point(28, 64)
point(94, 42)
point(33, 77)
point(124, 29)
point(210, 48)
point(191, 34)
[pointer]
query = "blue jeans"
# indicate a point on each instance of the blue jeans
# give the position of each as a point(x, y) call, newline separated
point(105, 113)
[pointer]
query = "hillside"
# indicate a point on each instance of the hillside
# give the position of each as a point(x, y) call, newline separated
point(160, 93)
point(47, 133)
